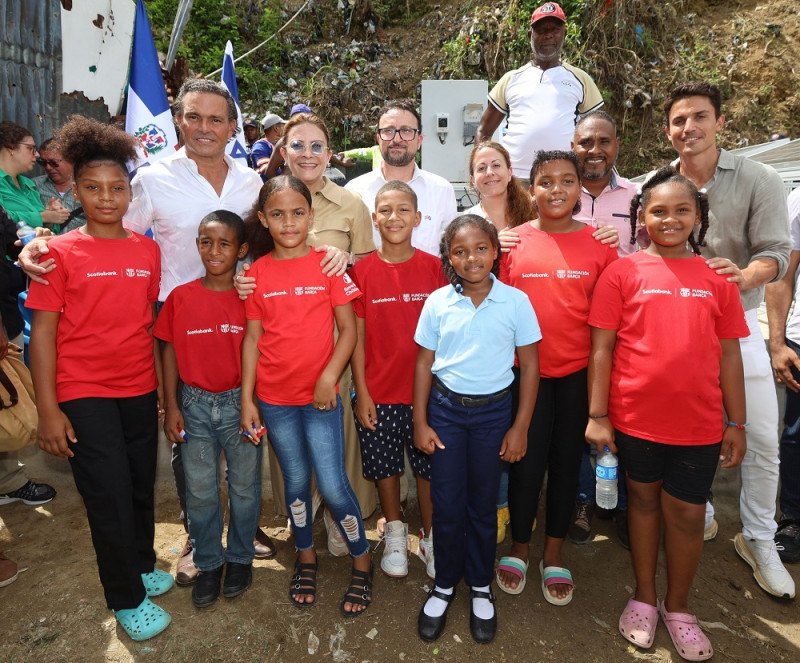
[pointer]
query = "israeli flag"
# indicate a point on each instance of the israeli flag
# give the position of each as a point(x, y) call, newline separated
point(148, 116)
point(236, 146)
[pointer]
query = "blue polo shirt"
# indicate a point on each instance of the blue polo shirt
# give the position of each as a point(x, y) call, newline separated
point(475, 346)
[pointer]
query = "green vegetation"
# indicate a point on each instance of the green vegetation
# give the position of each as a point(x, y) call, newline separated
point(214, 22)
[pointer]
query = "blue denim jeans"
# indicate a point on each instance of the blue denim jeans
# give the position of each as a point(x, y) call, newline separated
point(212, 426)
point(465, 477)
point(587, 482)
point(304, 439)
point(790, 449)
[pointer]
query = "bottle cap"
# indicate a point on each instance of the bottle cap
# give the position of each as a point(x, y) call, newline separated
point(605, 448)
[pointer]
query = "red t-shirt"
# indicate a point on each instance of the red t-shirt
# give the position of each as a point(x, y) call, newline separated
point(206, 327)
point(558, 272)
point(104, 289)
point(669, 316)
point(294, 301)
point(393, 295)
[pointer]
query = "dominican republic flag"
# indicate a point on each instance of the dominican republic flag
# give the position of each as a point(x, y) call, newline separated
point(236, 146)
point(148, 116)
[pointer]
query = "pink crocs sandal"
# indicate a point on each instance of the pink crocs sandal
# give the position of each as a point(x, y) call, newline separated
point(690, 641)
point(638, 623)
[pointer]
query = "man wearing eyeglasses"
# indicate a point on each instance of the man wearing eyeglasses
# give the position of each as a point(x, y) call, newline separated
point(57, 183)
point(399, 136)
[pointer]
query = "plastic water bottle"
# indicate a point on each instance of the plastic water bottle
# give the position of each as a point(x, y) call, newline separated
point(25, 232)
point(606, 473)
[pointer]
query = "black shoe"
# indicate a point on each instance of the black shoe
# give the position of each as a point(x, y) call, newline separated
point(430, 628)
point(206, 588)
point(238, 577)
point(31, 493)
point(580, 529)
point(623, 538)
point(787, 540)
point(482, 630)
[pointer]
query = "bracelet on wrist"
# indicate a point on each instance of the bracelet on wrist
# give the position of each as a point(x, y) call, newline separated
point(735, 425)
point(598, 416)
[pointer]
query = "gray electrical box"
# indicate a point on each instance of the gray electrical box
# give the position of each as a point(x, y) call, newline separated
point(451, 112)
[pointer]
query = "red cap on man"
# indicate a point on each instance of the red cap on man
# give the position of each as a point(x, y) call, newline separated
point(548, 10)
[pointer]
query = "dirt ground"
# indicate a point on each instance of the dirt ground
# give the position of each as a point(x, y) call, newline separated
point(55, 611)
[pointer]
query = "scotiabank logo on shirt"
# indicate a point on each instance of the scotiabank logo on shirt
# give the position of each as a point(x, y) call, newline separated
point(128, 272)
point(224, 328)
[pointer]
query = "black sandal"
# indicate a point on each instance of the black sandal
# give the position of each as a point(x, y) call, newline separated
point(359, 591)
point(304, 583)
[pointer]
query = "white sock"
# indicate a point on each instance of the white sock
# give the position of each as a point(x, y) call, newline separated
point(434, 606)
point(483, 608)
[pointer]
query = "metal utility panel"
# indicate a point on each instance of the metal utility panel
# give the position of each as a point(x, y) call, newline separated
point(445, 106)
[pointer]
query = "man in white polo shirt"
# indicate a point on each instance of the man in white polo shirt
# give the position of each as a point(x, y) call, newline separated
point(542, 99)
point(399, 136)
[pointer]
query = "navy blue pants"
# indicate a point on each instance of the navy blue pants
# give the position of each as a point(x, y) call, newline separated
point(465, 477)
point(790, 449)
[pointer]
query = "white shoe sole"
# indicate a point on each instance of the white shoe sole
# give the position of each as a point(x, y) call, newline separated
point(744, 552)
point(711, 533)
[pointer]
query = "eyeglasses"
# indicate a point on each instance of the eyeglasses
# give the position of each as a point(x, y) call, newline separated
point(406, 133)
point(53, 163)
point(32, 148)
point(299, 147)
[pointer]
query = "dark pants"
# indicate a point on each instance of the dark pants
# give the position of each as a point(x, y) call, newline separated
point(464, 481)
point(115, 470)
point(790, 450)
point(556, 441)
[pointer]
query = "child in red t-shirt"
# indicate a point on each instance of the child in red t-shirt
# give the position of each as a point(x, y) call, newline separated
point(202, 324)
point(665, 360)
point(94, 369)
point(556, 263)
point(290, 369)
point(395, 282)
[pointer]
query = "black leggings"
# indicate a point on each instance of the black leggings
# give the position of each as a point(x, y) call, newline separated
point(556, 439)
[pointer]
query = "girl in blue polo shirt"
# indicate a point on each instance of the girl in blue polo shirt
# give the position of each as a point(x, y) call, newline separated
point(467, 333)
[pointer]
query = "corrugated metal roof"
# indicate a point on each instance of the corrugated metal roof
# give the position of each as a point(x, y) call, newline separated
point(30, 64)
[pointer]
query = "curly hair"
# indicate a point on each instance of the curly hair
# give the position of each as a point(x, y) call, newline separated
point(226, 218)
point(447, 239)
point(256, 235)
point(83, 141)
point(519, 206)
point(12, 133)
point(666, 175)
point(544, 157)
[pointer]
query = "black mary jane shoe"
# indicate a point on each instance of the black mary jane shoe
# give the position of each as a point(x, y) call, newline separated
point(206, 589)
point(482, 630)
point(430, 628)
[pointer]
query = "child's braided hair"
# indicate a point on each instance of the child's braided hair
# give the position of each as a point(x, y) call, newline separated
point(447, 238)
point(662, 176)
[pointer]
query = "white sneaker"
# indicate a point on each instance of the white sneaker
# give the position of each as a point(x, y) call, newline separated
point(337, 546)
point(711, 526)
point(768, 570)
point(395, 552)
point(425, 553)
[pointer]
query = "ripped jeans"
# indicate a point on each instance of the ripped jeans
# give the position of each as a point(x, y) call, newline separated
point(304, 439)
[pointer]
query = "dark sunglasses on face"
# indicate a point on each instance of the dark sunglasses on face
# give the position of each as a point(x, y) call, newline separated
point(53, 163)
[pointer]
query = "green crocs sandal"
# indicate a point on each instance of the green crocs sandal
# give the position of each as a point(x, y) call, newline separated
point(157, 582)
point(144, 622)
